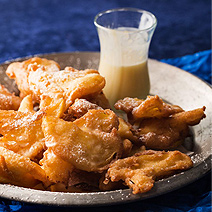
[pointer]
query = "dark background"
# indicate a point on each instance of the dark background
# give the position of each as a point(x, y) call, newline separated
point(30, 27)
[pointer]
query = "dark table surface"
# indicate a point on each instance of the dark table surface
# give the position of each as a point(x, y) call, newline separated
point(29, 27)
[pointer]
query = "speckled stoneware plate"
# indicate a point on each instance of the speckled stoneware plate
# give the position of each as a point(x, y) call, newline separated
point(170, 83)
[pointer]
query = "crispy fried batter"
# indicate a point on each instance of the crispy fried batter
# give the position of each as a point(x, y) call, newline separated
point(100, 100)
point(69, 85)
point(74, 140)
point(166, 133)
point(98, 120)
point(19, 170)
point(126, 131)
point(110, 186)
point(128, 104)
point(86, 149)
point(127, 148)
point(140, 171)
point(20, 72)
point(22, 132)
point(51, 106)
point(80, 107)
point(57, 170)
point(26, 105)
point(8, 101)
point(152, 107)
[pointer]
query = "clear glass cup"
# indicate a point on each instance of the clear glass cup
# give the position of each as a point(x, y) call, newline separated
point(125, 36)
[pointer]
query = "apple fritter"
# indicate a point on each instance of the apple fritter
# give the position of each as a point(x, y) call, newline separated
point(67, 84)
point(140, 171)
point(100, 100)
point(126, 131)
point(110, 186)
point(20, 72)
point(60, 134)
point(22, 132)
point(167, 133)
point(57, 170)
point(98, 120)
point(79, 108)
point(86, 149)
point(26, 105)
point(152, 107)
point(128, 104)
point(52, 106)
point(19, 170)
point(8, 101)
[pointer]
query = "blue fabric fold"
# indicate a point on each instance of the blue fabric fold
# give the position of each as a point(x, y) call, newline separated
point(195, 197)
point(198, 64)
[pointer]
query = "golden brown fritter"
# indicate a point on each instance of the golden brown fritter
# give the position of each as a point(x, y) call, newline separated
point(19, 170)
point(57, 170)
point(65, 84)
point(90, 143)
point(98, 120)
point(22, 132)
point(80, 107)
point(8, 101)
point(140, 171)
point(26, 105)
point(100, 100)
point(166, 133)
point(152, 107)
point(20, 72)
point(126, 131)
point(73, 140)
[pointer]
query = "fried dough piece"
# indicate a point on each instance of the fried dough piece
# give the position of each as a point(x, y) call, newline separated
point(86, 149)
point(152, 107)
point(98, 120)
point(51, 106)
point(67, 84)
point(100, 100)
point(26, 105)
point(22, 132)
point(19, 170)
point(8, 101)
point(82, 106)
point(166, 133)
point(128, 104)
point(20, 72)
point(126, 131)
point(110, 186)
point(139, 172)
point(56, 169)
point(79, 108)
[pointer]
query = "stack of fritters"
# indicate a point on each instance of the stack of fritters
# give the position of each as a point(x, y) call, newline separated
point(60, 134)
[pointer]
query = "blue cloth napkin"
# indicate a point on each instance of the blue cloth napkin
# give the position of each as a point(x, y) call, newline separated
point(194, 197)
point(198, 64)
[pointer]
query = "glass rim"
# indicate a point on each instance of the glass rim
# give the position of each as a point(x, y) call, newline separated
point(126, 9)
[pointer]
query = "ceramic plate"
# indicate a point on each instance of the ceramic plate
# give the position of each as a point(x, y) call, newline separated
point(170, 83)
